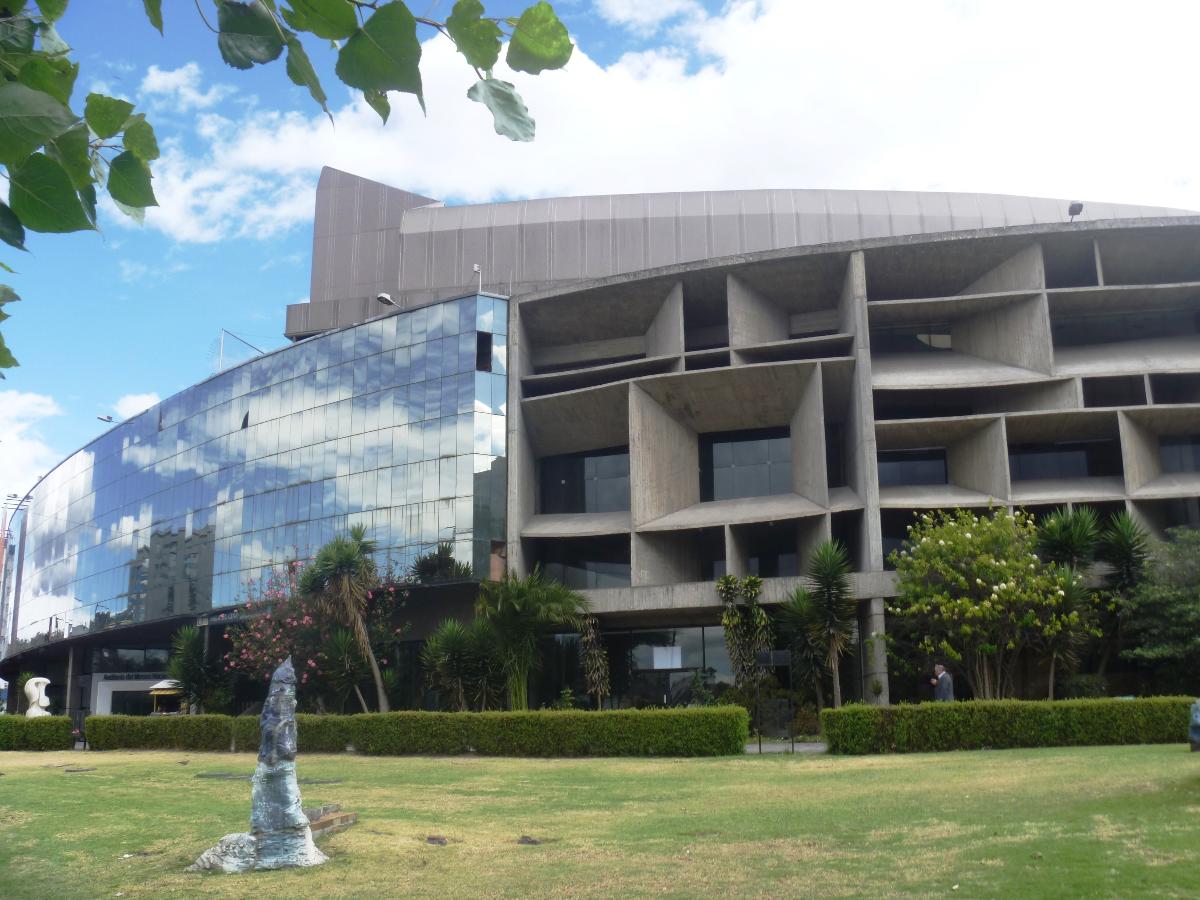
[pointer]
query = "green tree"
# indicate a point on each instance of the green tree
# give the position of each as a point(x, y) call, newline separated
point(833, 607)
point(798, 627)
point(522, 610)
point(979, 593)
point(747, 627)
point(344, 668)
point(1067, 632)
point(1124, 546)
point(439, 566)
point(339, 580)
point(595, 660)
point(55, 159)
point(1164, 612)
point(199, 679)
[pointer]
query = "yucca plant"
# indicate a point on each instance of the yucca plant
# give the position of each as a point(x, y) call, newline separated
point(461, 663)
point(197, 678)
point(1125, 546)
point(339, 580)
point(1069, 537)
point(345, 668)
point(796, 623)
point(834, 609)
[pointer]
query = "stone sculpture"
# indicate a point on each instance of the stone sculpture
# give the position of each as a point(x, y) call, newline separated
point(35, 693)
point(279, 835)
point(1194, 729)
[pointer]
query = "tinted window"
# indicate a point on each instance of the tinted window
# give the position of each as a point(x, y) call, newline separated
point(1081, 459)
point(754, 463)
point(1180, 453)
point(923, 466)
point(592, 482)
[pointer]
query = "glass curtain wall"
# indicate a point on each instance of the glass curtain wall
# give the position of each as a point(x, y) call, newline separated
point(397, 424)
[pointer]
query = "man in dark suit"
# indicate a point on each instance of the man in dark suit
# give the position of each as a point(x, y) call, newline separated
point(943, 683)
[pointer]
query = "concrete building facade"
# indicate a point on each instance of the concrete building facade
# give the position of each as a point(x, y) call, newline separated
point(700, 384)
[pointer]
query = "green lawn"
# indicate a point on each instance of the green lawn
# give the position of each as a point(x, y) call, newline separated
point(1120, 821)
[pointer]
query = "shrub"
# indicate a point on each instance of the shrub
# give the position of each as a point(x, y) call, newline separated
point(40, 733)
point(999, 724)
point(706, 731)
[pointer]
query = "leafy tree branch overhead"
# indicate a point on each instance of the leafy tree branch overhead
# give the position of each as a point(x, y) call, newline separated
point(55, 159)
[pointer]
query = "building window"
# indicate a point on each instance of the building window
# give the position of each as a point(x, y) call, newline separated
point(772, 549)
point(1180, 453)
point(593, 482)
point(754, 463)
point(1080, 459)
point(600, 562)
point(926, 465)
point(912, 339)
point(483, 352)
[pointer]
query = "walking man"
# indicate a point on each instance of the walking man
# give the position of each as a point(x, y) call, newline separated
point(943, 683)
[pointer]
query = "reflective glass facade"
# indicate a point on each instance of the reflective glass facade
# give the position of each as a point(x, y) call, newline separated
point(390, 424)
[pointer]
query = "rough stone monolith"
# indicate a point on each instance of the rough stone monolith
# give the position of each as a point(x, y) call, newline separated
point(279, 835)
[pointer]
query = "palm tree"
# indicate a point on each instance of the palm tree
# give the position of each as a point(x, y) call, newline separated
point(1064, 645)
point(439, 566)
point(196, 676)
point(339, 580)
point(345, 670)
point(833, 607)
point(520, 611)
point(1069, 538)
point(796, 620)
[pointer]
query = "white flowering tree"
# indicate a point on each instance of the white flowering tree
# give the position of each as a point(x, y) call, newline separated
point(980, 596)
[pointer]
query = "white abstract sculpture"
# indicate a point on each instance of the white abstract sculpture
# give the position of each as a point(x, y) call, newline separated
point(35, 693)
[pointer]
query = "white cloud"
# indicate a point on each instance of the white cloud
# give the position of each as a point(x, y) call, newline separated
point(130, 405)
point(772, 93)
point(646, 17)
point(180, 88)
point(24, 453)
point(133, 271)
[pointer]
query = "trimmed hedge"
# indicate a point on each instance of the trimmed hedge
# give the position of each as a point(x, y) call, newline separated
point(706, 731)
point(1001, 724)
point(40, 733)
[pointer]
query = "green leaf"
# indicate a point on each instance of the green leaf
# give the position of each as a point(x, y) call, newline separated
point(72, 151)
point(54, 76)
point(87, 196)
point(249, 34)
point(333, 20)
point(378, 101)
point(384, 55)
point(106, 115)
point(301, 71)
point(8, 295)
point(140, 139)
point(511, 117)
point(42, 196)
point(29, 119)
point(52, 10)
point(477, 39)
point(7, 268)
point(52, 43)
point(16, 36)
point(137, 213)
point(11, 230)
point(7, 360)
point(129, 181)
point(539, 42)
point(154, 13)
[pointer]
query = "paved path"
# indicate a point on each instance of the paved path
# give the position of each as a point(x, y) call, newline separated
point(774, 746)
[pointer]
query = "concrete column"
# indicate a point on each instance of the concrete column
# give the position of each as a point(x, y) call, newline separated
point(1016, 333)
point(664, 460)
point(1023, 271)
point(752, 318)
point(664, 558)
point(871, 630)
point(809, 534)
point(665, 336)
point(522, 473)
point(1099, 265)
point(1139, 452)
point(809, 478)
point(72, 691)
point(979, 461)
point(737, 554)
point(852, 304)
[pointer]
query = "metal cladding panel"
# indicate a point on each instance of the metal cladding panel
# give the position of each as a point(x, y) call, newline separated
point(566, 238)
point(757, 229)
point(368, 235)
point(598, 258)
point(692, 237)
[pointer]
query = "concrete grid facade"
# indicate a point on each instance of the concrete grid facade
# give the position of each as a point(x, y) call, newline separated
point(709, 383)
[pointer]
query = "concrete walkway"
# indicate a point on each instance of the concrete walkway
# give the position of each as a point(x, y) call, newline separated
point(776, 746)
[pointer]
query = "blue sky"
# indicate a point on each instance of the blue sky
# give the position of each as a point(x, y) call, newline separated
point(1086, 100)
